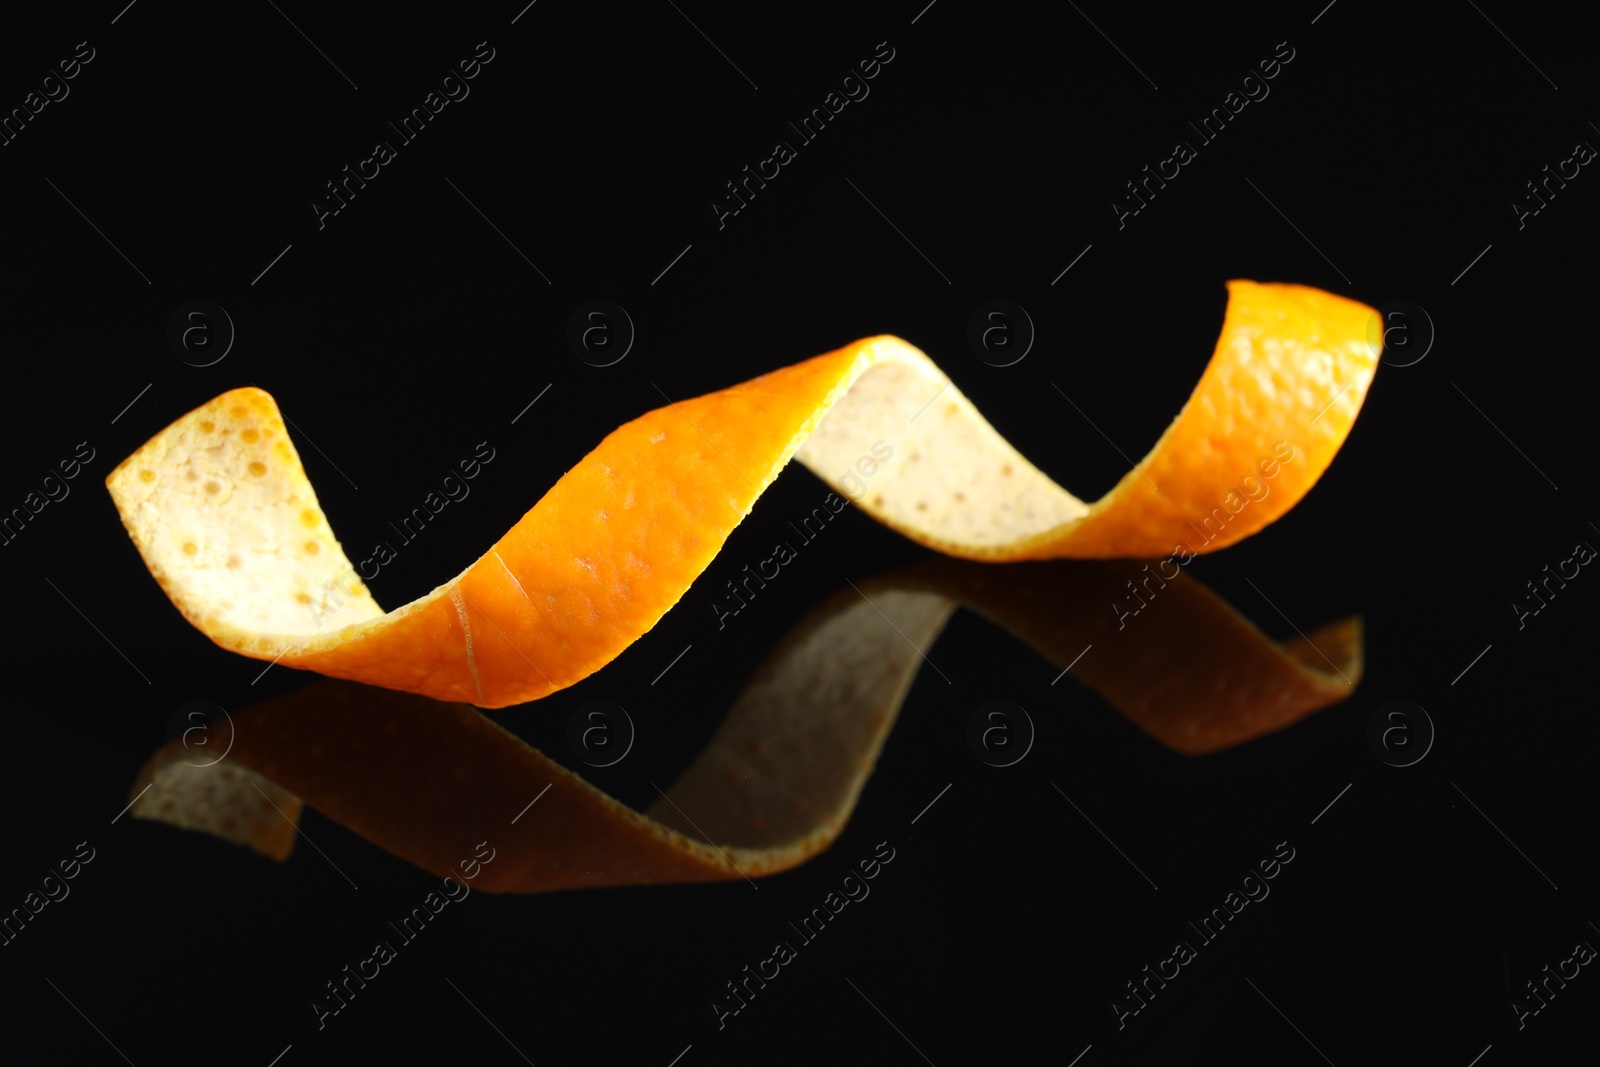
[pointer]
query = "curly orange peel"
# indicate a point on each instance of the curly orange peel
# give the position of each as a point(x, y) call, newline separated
point(221, 510)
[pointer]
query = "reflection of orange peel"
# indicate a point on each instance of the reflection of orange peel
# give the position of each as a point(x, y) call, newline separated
point(781, 776)
point(219, 505)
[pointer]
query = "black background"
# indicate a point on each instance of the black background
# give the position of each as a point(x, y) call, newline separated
point(408, 329)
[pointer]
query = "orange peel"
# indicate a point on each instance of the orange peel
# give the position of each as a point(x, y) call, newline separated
point(221, 510)
point(782, 774)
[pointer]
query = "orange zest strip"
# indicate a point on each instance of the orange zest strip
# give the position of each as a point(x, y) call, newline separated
point(782, 774)
point(226, 520)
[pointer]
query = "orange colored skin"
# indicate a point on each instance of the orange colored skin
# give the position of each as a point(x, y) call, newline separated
point(1261, 387)
point(619, 539)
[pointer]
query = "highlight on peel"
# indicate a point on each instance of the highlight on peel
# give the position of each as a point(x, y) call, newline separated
point(781, 776)
point(226, 520)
